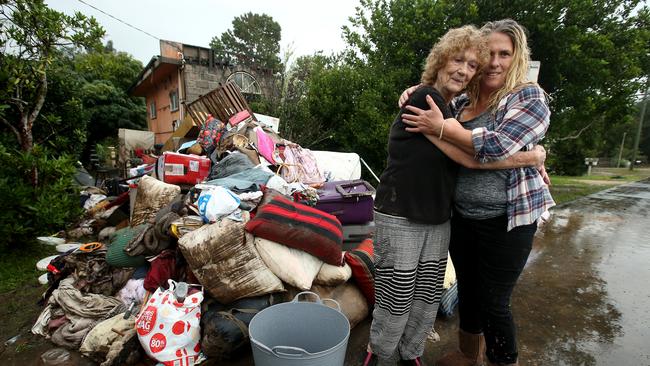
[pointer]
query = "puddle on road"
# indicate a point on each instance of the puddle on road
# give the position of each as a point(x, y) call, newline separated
point(583, 297)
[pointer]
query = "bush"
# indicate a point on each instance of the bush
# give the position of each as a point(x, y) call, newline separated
point(27, 211)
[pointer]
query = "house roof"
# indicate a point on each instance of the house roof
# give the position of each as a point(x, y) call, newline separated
point(158, 68)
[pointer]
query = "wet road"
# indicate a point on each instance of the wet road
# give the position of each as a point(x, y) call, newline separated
point(584, 296)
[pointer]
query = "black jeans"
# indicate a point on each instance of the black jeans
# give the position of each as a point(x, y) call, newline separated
point(488, 261)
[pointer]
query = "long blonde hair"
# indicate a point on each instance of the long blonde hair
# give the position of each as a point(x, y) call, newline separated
point(517, 74)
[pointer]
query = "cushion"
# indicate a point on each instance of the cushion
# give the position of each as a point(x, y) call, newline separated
point(116, 256)
point(292, 266)
point(361, 261)
point(299, 226)
point(330, 275)
point(223, 258)
point(151, 196)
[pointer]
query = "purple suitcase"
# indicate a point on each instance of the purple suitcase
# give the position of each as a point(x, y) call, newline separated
point(349, 200)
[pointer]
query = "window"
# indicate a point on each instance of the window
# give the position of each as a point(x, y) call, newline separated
point(246, 82)
point(176, 124)
point(173, 100)
point(152, 110)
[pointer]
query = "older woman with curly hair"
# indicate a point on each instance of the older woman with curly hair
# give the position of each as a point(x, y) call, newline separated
point(413, 206)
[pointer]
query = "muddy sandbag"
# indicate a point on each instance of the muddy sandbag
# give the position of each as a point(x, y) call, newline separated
point(151, 196)
point(224, 328)
point(224, 260)
point(293, 266)
point(353, 304)
point(330, 275)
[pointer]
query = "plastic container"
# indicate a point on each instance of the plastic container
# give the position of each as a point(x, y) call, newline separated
point(42, 264)
point(300, 333)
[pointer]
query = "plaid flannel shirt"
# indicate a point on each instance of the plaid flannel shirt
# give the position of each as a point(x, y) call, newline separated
point(520, 121)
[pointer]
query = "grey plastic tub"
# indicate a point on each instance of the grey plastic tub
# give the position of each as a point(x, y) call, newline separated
point(300, 333)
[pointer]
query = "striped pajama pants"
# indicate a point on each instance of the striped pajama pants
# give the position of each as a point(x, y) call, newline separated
point(410, 263)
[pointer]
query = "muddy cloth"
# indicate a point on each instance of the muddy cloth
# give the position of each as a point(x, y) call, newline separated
point(157, 235)
point(81, 311)
point(93, 274)
point(40, 326)
point(70, 334)
point(232, 163)
point(56, 323)
point(98, 341)
point(76, 303)
point(248, 180)
point(163, 268)
point(132, 292)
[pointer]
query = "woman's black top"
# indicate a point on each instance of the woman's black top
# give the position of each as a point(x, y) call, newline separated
point(419, 180)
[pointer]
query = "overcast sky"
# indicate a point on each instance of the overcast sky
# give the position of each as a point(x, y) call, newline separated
point(307, 25)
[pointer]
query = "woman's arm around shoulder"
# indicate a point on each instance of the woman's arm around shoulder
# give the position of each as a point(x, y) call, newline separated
point(522, 118)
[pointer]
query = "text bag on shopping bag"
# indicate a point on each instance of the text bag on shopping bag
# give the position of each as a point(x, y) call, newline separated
point(169, 330)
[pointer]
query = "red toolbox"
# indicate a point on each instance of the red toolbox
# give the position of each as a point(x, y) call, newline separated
point(175, 168)
point(351, 201)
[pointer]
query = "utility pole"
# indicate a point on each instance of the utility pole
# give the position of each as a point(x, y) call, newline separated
point(638, 131)
point(620, 151)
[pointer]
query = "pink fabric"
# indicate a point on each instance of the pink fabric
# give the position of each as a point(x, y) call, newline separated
point(265, 145)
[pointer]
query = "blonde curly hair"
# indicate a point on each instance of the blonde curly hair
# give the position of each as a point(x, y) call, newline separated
point(454, 41)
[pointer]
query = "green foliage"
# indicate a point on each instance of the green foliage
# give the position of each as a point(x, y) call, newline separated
point(27, 211)
point(63, 120)
point(593, 56)
point(254, 38)
point(30, 35)
point(107, 76)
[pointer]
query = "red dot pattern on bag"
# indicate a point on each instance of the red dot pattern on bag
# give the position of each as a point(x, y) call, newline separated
point(179, 353)
point(162, 326)
point(195, 300)
point(157, 343)
point(147, 320)
point(179, 327)
point(178, 304)
point(197, 348)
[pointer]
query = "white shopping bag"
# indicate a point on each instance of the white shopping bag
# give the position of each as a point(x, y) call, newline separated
point(168, 330)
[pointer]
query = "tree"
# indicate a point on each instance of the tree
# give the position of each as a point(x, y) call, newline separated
point(591, 80)
point(30, 34)
point(107, 76)
point(254, 38)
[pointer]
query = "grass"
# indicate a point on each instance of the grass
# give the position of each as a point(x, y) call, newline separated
point(18, 265)
point(565, 188)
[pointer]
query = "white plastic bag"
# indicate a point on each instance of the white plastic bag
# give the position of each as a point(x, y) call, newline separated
point(169, 331)
point(216, 202)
